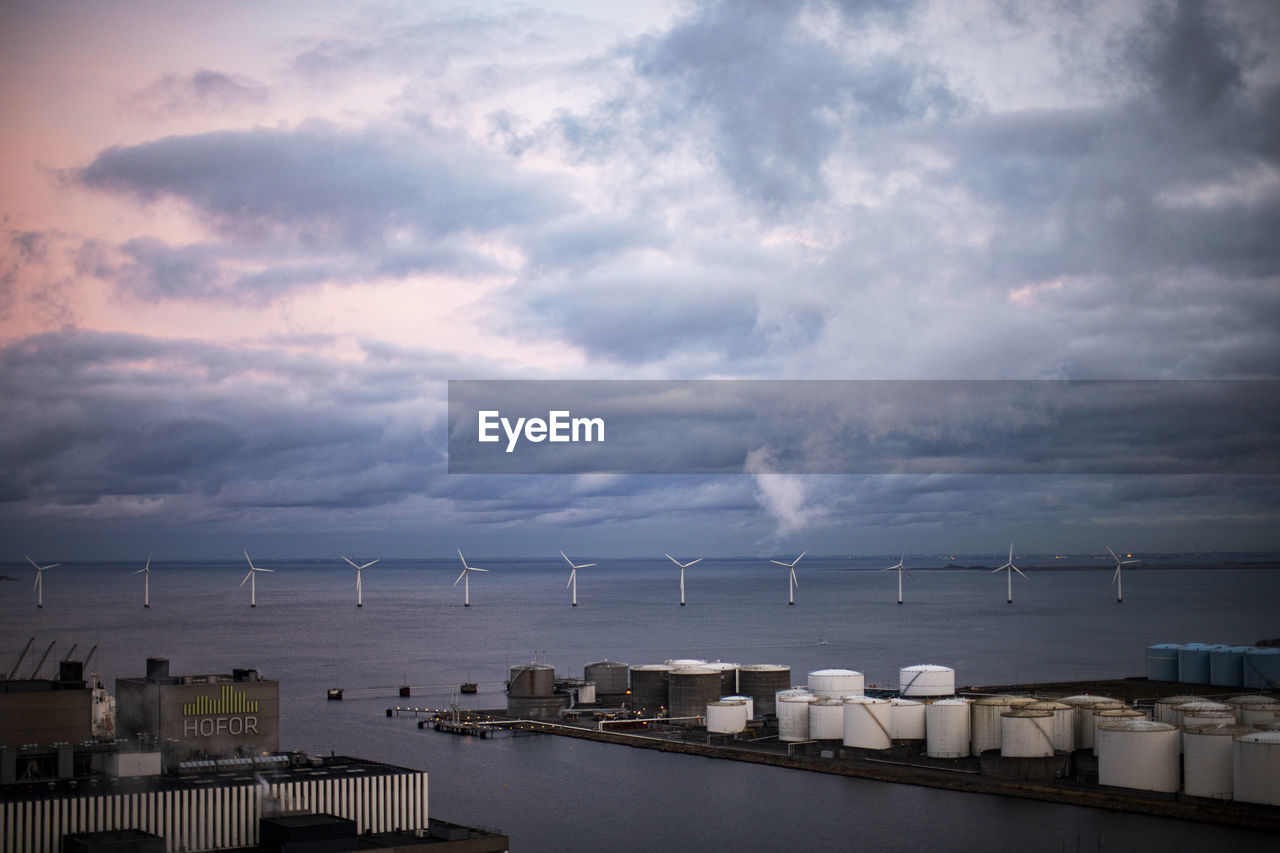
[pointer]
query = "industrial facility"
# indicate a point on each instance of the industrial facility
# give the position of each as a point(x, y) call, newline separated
point(196, 766)
point(1186, 734)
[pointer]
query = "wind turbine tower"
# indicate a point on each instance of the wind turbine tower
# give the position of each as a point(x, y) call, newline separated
point(359, 585)
point(1010, 568)
point(792, 583)
point(573, 576)
point(39, 584)
point(465, 577)
point(1116, 579)
point(900, 569)
point(682, 566)
point(145, 571)
point(253, 580)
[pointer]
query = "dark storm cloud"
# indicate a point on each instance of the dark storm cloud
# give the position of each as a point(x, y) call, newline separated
point(201, 91)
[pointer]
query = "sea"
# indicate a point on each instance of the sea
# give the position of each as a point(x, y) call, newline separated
point(559, 794)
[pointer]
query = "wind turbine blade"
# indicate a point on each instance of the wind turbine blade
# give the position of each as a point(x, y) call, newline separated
point(1011, 553)
point(37, 583)
point(671, 558)
point(147, 567)
point(566, 558)
point(474, 569)
point(913, 577)
point(802, 553)
point(571, 575)
point(694, 563)
point(1129, 562)
point(353, 565)
point(256, 569)
point(53, 565)
point(780, 563)
point(585, 566)
point(461, 574)
point(246, 578)
point(462, 558)
point(793, 577)
point(246, 557)
point(370, 563)
point(1116, 575)
point(31, 561)
point(1018, 570)
point(1113, 554)
point(1001, 569)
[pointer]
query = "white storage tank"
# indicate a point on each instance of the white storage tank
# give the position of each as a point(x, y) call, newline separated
point(1204, 712)
point(1163, 710)
point(868, 722)
point(793, 715)
point(1026, 734)
point(1226, 666)
point(1063, 731)
point(1207, 759)
point(1111, 715)
point(826, 719)
point(1254, 708)
point(906, 719)
point(1141, 754)
point(947, 728)
point(984, 722)
point(1256, 758)
point(926, 680)
point(747, 700)
point(1268, 725)
point(587, 693)
point(1084, 705)
point(726, 718)
point(1262, 668)
point(1162, 662)
point(834, 683)
point(682, 662)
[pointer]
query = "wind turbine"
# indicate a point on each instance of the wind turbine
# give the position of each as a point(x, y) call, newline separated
point(253, 581)
point(1116, 578)
point(466, 573)
point(682, 566)
point(792, 583)
point(39, 585)
point(1011, 568)
point(900, 569)
point(146, 570)
point(573, 576)
point(359, 569)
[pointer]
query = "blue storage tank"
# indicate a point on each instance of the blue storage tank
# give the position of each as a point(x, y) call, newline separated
point(1226, 666)
point(1262, 668)
point(1162, 662)
point(1193, 663)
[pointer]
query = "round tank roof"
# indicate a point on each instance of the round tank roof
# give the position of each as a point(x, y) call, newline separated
point(1025, 712)
point(1203, 705)
point(693, 670)
point(956, 701)
point(1136, 726)
point(1047, 705)
point(1254, 700)
point(651, 667)
point(1228, 729)
point(721, 666)
point(899, 700)
point(1086, 699)
point(1260, 737)
point(1003, 700)
point(866, 700)
point(533, 666)
point(766, 667)
point(835, 672)
point(927, 667)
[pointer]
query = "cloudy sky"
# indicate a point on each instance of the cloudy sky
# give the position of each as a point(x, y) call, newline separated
point(246, 245)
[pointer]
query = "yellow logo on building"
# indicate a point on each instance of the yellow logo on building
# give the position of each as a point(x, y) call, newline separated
point(231, 701)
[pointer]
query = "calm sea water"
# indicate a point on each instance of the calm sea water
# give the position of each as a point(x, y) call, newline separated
point(553, 793)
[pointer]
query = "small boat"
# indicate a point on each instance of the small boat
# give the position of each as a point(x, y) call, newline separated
point(467, 687)
point(335, 693)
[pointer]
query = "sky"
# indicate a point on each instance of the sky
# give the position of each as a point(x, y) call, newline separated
point(246, 246)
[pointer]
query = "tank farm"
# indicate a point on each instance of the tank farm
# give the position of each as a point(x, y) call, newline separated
point(1198, 738)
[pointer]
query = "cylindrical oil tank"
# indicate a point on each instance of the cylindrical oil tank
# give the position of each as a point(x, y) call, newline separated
point(1226, 666)
point(677, 663)
point(1256, 761)
point(650, 689)
point(1026, 734)
point(726, 717)
point(834, 683)
point(538, 707)
point(1254, 708)
point(793, 715)
point(1268, 725)
point(728, 675)
point(1204, 712)
point(925, 680)
point(906, 719)
point(1207, 759)
point(762, 681)
point(611, 680)
point(984, 720)
point(1141, 754)
point(1262, 668)
point(532, 679)
point(1193, 663)
point(946, 728)
point(746, 700)
point(692, 688)
point(1063, 730)
point(1162, 662)
point(1164, 709)
point(1111, 715)
point(1084, 705)
point(868, 722)
point(587, 693)
point(826, 719)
